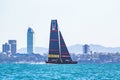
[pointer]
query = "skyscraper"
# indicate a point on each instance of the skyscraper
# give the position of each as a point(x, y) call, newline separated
point(86, 49)
point(12, 44)
point(5, 47)
point(30, 33)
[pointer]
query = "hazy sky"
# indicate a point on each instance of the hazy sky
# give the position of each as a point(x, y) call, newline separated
point(80, 21)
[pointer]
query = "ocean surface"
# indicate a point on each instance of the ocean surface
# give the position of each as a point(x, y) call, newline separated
point(59, 71)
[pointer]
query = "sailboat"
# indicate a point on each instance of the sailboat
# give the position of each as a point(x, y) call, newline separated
point(58, 52)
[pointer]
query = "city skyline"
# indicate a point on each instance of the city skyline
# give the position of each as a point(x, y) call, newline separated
point(81, 22)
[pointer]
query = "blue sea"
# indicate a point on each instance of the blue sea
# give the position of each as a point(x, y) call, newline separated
point(59, 71)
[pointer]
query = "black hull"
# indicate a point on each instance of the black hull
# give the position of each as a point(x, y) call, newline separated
point(68, 62)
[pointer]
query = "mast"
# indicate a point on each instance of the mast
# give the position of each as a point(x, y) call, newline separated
point(59, 45)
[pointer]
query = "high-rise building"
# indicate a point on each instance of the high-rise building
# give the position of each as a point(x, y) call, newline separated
point(5, 47)
point(12, 44)
point(86, 49)
point(30, 35)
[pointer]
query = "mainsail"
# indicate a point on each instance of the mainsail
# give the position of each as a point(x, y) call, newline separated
point(54, 53)
point(58, 52)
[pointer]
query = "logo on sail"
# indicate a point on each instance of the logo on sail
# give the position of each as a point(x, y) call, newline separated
point(53, 26)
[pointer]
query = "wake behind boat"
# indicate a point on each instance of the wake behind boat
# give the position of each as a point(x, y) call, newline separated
point(58, 52)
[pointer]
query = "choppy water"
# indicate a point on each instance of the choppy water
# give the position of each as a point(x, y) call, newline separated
point(59, 72)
